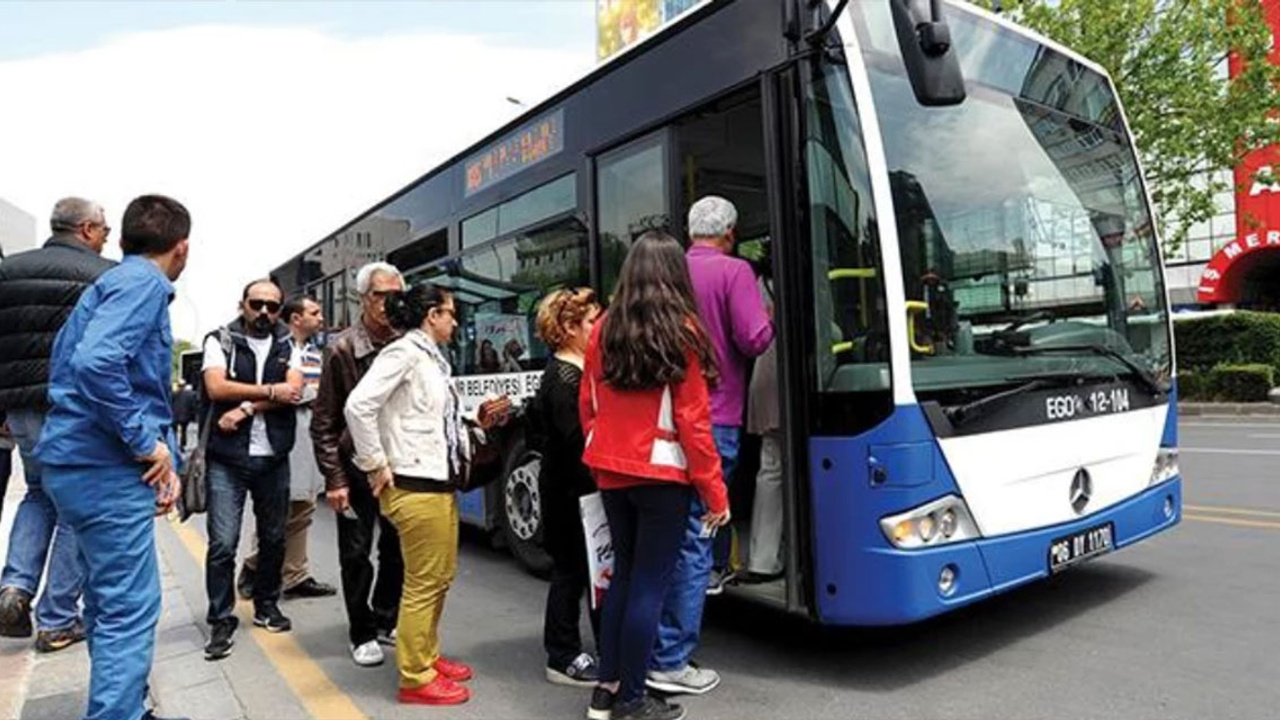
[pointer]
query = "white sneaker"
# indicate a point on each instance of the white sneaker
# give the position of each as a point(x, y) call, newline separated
point(368, 654)
point(689, 680)
point(387, 638)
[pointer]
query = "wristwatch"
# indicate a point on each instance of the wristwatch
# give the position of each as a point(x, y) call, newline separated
point(247, 408)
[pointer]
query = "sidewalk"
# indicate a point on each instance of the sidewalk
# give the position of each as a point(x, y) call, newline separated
point(55, 687)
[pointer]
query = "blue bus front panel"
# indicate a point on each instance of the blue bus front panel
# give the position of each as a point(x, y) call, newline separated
point(860, 578)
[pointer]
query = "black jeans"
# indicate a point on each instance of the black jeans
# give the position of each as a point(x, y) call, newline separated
point(570, 578)
point(355, 546)
point(6, 469)
point(266, 480)
point(647, 524)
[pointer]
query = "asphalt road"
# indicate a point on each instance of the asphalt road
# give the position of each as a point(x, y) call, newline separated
point(1182, 626)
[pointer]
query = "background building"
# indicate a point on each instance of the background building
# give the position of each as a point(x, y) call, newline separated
point(1233, 260)
point(17, 229)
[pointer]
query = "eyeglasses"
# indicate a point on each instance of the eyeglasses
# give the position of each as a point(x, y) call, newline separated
point(272, 306)
point(89, 225)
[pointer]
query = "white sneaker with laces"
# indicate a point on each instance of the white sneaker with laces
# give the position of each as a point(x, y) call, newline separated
point(689, 680)
point(368, 654)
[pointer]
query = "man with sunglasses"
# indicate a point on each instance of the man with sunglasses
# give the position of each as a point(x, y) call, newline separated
point(254, 388)
point(38, 290)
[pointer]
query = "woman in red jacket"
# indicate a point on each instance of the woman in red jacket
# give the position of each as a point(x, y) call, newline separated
point(646, 413)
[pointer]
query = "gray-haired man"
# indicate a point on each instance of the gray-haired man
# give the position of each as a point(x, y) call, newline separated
point(38, 290)
point(346, 360)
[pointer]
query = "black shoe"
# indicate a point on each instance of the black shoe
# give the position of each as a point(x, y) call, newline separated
point(650, 708)
point(719, 579)
point(15, 613)
point(310, 588)
point(222, 637)
point(755, 578)
point(582, 672)
point(601, 707)
point(272, 620)
point(148, 715)
point(48, 641)
point(244, 586)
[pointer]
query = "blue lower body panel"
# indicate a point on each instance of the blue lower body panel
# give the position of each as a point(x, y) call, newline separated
point(901, 586)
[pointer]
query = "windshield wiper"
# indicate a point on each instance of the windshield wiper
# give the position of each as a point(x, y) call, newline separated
point(1143, 374)
point(959, 414)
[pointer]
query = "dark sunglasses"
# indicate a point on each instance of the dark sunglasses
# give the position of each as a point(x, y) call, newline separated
point(272, 306)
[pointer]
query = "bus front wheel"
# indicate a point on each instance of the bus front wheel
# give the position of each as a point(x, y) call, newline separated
point(521, 511)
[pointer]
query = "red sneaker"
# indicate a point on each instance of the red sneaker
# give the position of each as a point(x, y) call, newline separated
point(452, 669)
point(441, 691)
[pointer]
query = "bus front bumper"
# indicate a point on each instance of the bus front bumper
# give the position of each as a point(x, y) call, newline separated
point(905, 586)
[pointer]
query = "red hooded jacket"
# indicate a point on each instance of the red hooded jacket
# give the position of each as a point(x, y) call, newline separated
point(639, 437)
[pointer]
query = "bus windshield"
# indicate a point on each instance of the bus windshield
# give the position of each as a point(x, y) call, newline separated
point(1022, 221)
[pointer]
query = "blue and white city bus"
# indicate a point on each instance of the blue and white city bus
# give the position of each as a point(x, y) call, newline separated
point(975, 356)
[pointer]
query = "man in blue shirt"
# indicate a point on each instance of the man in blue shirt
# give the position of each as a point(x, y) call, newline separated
point(106, 447)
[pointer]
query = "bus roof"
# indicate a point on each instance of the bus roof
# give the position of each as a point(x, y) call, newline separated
point(689, 17)
point(647, 44)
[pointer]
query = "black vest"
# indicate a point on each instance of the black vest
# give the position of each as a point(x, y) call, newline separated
point(282, 423)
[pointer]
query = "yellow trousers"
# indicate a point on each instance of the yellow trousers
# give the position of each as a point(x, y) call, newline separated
point(428, 527)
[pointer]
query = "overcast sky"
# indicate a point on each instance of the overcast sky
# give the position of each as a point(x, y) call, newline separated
point(273, 122)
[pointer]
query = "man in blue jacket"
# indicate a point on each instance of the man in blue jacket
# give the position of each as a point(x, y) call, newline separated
point(106, 447)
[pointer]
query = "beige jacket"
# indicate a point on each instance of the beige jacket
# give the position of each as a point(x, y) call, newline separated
point(396, 413)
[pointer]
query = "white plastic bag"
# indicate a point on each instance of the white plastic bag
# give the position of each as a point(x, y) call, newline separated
point(595, 526)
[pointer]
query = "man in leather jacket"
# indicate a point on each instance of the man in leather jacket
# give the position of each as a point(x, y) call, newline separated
point(348, 357)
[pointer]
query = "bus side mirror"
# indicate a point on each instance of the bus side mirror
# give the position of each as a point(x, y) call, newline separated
point(931, 61)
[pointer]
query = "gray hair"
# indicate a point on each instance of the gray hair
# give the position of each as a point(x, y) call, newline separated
point(364, 278)
point(712, 217)
point(69, 212)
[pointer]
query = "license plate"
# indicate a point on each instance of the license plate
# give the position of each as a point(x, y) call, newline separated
point(1072, 549)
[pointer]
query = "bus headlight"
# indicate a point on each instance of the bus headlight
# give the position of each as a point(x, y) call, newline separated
point(945, 520)
point(1166, 467)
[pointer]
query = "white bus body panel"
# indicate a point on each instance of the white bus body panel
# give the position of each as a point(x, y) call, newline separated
point(1020, 479)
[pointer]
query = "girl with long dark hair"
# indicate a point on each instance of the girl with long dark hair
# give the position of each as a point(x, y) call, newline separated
point(645, 408)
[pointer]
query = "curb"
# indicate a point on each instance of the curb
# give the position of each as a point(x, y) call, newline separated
point(1256, 412)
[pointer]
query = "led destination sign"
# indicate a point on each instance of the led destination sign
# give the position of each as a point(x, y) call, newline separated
point(523, 148)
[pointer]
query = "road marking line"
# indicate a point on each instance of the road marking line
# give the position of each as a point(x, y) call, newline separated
point(322, 699)
point(1232, 521)
point(1227, 451)
point(1264, 436)
point(1230, 511)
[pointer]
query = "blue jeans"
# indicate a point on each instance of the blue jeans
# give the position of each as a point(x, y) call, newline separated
point(682, 609)
point(266, 480)
point(113, 512)
point(646, 524)
point(39, 534)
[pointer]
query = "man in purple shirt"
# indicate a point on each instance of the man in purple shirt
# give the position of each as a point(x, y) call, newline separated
point(741, 329)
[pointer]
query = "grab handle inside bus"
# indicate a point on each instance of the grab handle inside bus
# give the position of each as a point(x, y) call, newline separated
point(914, 308)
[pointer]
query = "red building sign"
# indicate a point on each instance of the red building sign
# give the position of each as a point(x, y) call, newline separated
point(1257, 207)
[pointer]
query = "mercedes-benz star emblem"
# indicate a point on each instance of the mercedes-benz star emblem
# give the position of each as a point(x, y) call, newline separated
point(1081, 490)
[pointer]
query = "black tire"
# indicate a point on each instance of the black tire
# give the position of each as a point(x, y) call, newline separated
point(520, 511)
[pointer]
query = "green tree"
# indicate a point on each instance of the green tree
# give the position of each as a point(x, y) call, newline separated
point(1168, 59)
point(179, 347)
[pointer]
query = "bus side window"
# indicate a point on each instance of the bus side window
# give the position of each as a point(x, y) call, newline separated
point(632, 198)
point(497, 287)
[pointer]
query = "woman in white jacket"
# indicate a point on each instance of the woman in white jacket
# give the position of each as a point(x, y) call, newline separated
point(406, 423)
